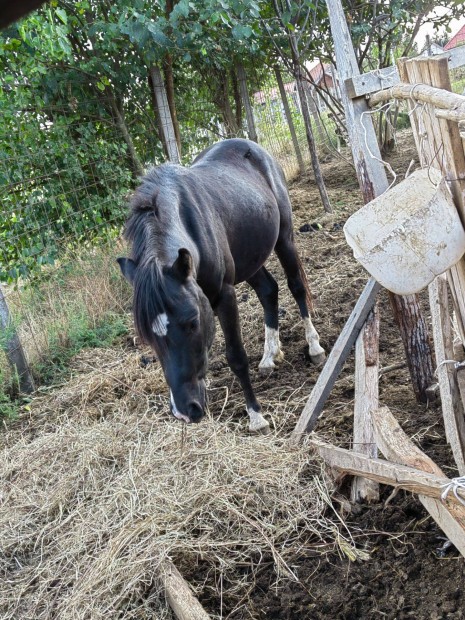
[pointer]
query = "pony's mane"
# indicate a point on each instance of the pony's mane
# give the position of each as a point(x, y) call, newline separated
point(150, 293)
point(150, 300)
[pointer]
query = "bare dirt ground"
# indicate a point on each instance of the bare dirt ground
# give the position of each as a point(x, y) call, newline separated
point(406, 576)
point(399, 573)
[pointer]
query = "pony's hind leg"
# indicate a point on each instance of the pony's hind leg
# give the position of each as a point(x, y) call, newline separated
point(298, 285)
point(266, 289)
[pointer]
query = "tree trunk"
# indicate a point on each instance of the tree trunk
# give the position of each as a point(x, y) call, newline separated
point(221, 100)
point(252, 132)
point(290, 122)
point(136, 164)
point(311, 142)
point(169, 84)
point(237, 98)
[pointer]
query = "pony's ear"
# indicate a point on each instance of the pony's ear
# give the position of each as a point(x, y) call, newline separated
point(183, 265)
point(128, 268)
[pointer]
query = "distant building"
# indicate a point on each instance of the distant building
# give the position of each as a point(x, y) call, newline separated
point(457, 40)
point(432, 49)
point(321, 75)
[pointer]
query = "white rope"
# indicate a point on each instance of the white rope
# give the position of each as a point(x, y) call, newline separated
point(454, 485)
point(381, 161)
point(457, 365)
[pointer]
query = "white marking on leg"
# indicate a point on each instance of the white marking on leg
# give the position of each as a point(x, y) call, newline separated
point(257, 421)
point(176, 413)
point(160, 325)
point(311, 335)
point(272, 351)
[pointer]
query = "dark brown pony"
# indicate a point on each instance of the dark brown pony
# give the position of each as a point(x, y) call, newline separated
point(196, 232)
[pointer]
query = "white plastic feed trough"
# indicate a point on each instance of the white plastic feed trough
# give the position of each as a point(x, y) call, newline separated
point(408, 235)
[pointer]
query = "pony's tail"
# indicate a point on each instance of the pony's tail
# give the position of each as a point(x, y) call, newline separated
point(308, 292)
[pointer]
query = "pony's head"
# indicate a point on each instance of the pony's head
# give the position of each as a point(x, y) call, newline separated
point(173, 316)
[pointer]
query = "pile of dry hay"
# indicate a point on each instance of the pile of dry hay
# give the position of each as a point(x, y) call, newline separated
point(99, 485)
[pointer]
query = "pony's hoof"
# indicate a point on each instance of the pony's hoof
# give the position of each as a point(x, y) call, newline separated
point(262, 430)
point(258, 424)
point(266, 367)
point(268, 364)
point(318, 359)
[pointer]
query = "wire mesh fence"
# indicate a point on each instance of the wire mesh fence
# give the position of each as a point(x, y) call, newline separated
point(68, 160)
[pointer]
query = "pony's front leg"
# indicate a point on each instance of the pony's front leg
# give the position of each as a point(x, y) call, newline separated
point(228, 316)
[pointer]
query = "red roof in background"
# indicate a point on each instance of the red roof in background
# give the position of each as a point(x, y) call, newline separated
point(273, 93)
point(457, 39)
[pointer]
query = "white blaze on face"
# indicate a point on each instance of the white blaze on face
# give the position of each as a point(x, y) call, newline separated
point(160, 325)
point(176, 413)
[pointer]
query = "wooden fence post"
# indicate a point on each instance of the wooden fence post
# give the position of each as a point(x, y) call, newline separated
point(373, 182)
point(242, 79)
point(366, 401)
point(290, 122)
point(14, 350)
point(165, 114)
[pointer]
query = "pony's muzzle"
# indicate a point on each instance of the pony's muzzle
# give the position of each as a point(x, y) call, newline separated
point(195, 412)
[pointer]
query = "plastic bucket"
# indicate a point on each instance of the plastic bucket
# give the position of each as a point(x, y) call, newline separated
point(408, 235)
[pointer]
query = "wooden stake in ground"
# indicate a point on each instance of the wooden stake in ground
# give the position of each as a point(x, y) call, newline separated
point(14, 350)
point(366, 401)
point(179, 595)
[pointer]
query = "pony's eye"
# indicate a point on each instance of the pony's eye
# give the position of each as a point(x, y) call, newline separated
point(194, 325)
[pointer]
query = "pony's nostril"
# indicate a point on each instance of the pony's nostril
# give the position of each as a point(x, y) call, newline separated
point(195, 412)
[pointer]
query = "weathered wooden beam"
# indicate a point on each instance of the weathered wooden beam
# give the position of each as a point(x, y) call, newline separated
point(422, 93)
point(452, 407)
point(336, 360)
point(179, 595)
point(366, 400)
point(371, 82)
point(373, 182)
point(398, 448)
point(399, 476)
point(379, 79)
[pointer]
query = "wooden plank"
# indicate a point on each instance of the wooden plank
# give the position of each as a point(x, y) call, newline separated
point(452, 407)
point(398, 448)
point(399, 476)
point(179, 595)
point(336, 360)
point(456, 279)
point(379, 79)
point(372, 81)
point(366, 401)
